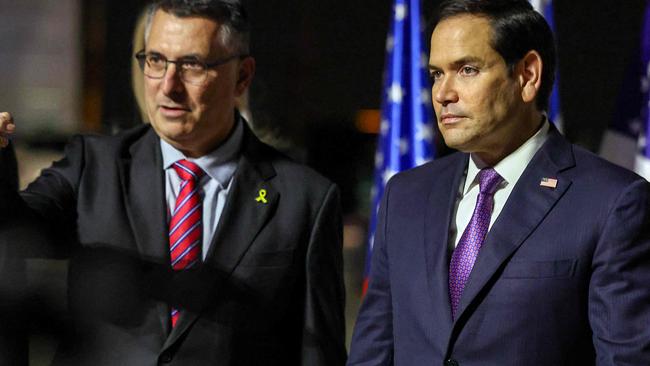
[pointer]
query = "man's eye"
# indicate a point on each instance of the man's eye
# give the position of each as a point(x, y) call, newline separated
point(155, 59)
point(193, 65)
point(467, 70)
point(434, 76)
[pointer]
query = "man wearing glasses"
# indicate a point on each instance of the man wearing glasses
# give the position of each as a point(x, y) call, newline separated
point(201, 245)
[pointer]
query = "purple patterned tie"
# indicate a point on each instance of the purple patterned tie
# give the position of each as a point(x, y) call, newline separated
point(463, 258)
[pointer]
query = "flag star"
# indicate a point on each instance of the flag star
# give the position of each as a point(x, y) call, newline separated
point(641, 141)
point(404, 146)
point(424, 132)
point(634, 126)
point(400, 12)
point(379, 159)
point(425, 96)
point(390, 43)
point(373, 192)
point(384, 126)
point(388, 173)
point(396, 93)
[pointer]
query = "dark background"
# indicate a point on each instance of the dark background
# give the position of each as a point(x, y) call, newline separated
point(319, 62)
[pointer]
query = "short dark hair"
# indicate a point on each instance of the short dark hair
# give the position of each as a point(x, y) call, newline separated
point(230, 14)
point(516, 29)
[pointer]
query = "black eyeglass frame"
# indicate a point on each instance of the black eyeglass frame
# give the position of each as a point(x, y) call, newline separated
point(141, 56)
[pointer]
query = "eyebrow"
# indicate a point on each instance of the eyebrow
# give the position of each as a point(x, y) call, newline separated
point(184, 57)
point(460, 62)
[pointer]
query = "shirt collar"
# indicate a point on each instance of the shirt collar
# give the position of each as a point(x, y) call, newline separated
point(512, 166)
point(219, 164)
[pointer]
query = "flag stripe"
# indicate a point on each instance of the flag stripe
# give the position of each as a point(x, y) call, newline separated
point(405, 138)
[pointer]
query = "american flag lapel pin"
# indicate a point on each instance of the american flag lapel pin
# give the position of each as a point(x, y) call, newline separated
point(548, 182)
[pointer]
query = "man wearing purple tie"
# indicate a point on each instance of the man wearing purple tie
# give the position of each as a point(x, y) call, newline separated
point(196, 243)
point(521, 248)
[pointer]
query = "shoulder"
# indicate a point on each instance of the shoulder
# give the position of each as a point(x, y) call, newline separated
point(121, 139)
point(595, 187)
point(285, 173)
point(593, 171)
point(110, 147)
point(431, 173)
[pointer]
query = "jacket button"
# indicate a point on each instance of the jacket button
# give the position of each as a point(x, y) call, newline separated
point(166, 357)
point(451, 362)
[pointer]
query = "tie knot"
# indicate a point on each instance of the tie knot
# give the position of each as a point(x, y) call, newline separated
point(187, 170)
point(489, 180)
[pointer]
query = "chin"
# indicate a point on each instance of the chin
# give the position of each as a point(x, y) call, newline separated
point(172, 131)
point(452, 139)
point(459, 144)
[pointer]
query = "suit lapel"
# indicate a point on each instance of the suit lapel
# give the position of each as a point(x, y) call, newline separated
point(243, 217)
point(525, 208)
point(142, 179)
point(438, 216)
point(251, 202)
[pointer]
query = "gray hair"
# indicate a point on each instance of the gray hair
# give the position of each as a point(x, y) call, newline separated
point(234, 32)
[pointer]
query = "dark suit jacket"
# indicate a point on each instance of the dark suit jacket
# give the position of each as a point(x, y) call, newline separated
point(13, 325)
point(562, 278)
point(269, 293)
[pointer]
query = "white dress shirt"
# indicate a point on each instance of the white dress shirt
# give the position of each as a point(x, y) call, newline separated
point(219, 167)
point(509, 168)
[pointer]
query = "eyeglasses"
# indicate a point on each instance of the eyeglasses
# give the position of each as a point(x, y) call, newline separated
point(192, 70)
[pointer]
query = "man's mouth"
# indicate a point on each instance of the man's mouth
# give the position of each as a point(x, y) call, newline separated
point(450, 118)
point(173, 111)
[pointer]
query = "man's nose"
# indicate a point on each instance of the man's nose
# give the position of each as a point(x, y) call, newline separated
point(444, 91)
point(172, 81)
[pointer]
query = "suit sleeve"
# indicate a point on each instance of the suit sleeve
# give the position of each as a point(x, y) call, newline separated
point(372, 341)
point(43, 216)
point(13, 337)
point(619, 290)
point(323, 339)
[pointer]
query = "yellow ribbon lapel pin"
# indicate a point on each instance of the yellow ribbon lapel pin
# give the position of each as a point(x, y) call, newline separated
point(261, 196)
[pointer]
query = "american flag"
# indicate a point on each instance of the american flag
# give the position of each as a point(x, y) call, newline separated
point(406, 133)
point(548, 182)
point(545, 7)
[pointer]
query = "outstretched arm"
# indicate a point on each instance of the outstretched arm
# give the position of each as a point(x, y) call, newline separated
point(7, 127)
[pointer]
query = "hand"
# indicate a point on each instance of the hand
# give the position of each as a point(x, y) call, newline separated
point(7, 127)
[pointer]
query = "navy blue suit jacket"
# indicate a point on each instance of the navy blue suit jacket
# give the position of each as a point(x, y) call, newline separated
point(563, 277)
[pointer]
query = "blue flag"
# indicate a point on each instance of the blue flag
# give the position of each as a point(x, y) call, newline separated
point(642, 165)
point(626, 142)
point(406, 136)
point(545, 7)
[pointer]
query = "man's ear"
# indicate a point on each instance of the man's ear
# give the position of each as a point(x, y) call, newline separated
point(530, 75)
point(245, 75)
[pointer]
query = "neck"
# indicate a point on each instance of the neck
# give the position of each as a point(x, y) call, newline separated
point(205, 145)
point(494, 156)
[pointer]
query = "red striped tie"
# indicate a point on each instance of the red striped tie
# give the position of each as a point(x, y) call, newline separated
point(185, 227)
